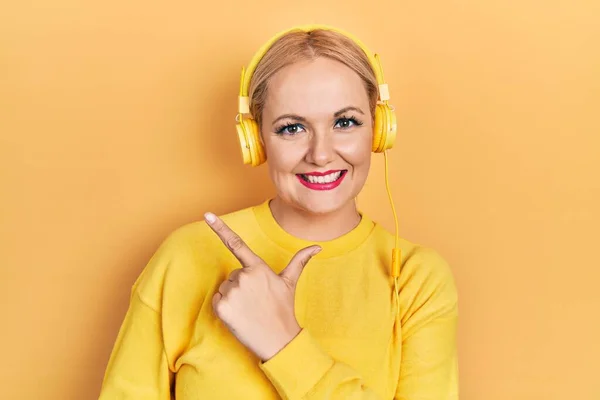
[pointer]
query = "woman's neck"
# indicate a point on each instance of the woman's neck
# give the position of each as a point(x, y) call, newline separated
point(315, 227)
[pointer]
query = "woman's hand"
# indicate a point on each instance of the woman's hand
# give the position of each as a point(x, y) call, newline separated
point(255, 303)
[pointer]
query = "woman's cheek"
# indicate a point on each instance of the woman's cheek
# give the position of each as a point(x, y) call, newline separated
point(285, 157)
point(357, 153)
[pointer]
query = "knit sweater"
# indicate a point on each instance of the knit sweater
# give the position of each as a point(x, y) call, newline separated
point(357, 339)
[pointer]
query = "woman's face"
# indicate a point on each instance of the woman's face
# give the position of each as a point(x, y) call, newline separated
point(317, 131)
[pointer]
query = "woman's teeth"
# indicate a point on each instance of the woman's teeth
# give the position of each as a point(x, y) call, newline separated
point(322, 179)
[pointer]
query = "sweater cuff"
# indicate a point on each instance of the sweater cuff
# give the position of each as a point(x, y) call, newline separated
point(297, 367)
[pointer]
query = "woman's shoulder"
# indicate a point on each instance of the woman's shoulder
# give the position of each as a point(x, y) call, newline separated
point(188, 254)
point(426, 282)
point(427, 288)
point(419, 262)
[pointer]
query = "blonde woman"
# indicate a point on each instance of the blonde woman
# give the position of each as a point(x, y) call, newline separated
point(297, 297)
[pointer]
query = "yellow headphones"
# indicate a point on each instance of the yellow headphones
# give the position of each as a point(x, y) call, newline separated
point(384, 127)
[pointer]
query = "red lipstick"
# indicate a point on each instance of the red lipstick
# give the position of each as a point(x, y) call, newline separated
point(321, 186)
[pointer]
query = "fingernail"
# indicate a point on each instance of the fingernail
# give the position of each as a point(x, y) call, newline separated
point(316, 251)
point(210, 217)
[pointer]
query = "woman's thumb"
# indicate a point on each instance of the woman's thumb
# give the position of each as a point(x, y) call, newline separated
point(294, 269)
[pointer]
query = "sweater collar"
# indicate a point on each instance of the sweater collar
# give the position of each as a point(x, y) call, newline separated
point(330, 248)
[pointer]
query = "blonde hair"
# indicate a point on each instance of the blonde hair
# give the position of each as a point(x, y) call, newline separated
point(301, 45)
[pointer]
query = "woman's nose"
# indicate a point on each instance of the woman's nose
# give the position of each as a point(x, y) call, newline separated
point(321, 150)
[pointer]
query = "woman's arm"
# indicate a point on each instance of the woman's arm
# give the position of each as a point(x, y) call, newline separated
point(302, 370)
point(138, 367)
point(429, 366)
point(429, 369)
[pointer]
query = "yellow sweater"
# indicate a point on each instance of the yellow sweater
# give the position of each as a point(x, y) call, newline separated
point(354, 343)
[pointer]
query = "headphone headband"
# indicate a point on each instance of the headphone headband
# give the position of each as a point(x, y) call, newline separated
point(244, 100)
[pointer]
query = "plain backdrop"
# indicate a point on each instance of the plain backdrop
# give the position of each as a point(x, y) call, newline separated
point(117, 126)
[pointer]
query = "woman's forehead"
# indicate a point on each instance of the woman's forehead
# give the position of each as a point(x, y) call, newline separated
point(318, 86)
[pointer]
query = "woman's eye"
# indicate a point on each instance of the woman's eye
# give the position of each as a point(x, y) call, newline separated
point(290, 129)
point(345, 123)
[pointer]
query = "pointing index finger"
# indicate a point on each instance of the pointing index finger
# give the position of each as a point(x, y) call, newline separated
point(232, 241)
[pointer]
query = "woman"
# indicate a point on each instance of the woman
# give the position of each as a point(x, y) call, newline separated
point(294, 298)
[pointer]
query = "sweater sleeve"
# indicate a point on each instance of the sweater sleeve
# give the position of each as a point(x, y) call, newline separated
point(302, 370)
point(138, 367)
point(429, 368)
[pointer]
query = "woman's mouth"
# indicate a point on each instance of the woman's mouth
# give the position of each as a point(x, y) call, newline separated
point(322, 180)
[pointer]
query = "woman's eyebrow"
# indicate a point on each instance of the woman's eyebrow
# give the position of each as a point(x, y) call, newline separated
point(346, 109)
point(290, 116)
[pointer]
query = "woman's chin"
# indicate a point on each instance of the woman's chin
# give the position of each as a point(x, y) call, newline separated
point(320, 205)
point(319, 202)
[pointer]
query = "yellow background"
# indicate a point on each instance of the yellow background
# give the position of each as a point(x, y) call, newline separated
point(117, 126)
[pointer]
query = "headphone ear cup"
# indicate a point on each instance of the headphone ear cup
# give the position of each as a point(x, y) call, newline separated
point(384, 128)
point(249, 136)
